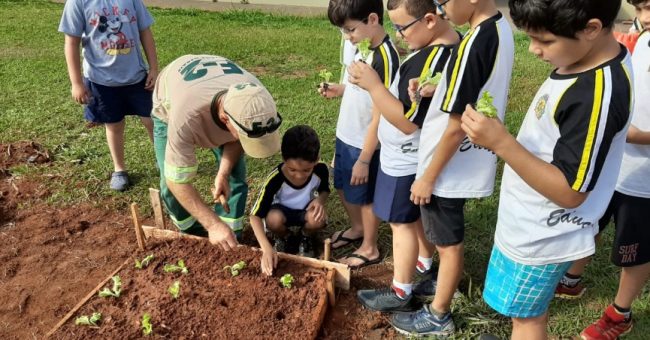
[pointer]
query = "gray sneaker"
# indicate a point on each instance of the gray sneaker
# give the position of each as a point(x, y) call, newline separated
point(423, 323)
point(386, 300)
point(425, 290)
point(119, 180)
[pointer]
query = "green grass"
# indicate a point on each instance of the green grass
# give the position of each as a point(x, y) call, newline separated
point(286, 53)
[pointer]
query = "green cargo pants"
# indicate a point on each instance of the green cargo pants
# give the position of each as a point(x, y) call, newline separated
point(181, 218)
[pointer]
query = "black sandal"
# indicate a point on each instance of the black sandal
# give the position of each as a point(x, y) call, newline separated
point(340, 238)
point(366, 261)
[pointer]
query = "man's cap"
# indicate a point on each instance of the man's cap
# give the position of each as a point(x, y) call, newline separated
point(253, 113)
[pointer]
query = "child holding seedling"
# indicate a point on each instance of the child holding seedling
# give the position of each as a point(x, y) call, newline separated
point(432, 39)
point(116, 81)
point(356, 155)
point(292, 200)
point(561, 169)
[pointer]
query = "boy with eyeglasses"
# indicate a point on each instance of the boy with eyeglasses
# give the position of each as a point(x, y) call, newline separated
point(562, 168)
point(432, 39)
point(206, 101)
point(292, 200)
point(356, 153)
point(450, 168)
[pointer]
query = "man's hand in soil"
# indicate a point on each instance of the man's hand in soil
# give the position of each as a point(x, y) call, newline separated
point(222, 235)
point(269, 261)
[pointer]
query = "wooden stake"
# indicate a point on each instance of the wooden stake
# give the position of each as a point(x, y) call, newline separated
point(139, 234)
point(326, 252)
point(329, 286)
point(154, 195)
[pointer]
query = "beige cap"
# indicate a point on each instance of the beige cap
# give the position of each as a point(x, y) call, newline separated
point(253, 113)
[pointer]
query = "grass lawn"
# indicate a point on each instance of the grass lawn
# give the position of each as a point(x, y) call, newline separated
point(286, 53)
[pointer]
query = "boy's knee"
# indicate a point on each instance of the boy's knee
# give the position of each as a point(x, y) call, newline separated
point(450, 249)
point(275, 221)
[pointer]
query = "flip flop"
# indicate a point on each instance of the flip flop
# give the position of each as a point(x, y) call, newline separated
point(340, 238)
point(366, 261)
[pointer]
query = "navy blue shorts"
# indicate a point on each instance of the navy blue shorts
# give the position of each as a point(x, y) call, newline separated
point(345, 158)
point(393, 199)
point(110, 104)
point(293, 217)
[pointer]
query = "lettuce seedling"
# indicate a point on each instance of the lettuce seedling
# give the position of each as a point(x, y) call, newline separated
point(175, 289)
point(325, 75)
point(117, 288)
point(364, 48)
point(86, 320)
point(286, 280)
point(236, 268)
point(172, 268)
point(144, 263)
point(485, 106)
point(147, 327)
point(429, 79)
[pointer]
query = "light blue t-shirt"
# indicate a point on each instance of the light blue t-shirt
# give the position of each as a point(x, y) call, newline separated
point(110, 37)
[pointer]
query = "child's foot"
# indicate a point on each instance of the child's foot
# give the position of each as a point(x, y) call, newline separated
point(306, 247)
point(119, 180)
point(423, 323)
point(425, 290)
point(386, 300)
point(422, 272)
point(563, 291)
point(610, 326)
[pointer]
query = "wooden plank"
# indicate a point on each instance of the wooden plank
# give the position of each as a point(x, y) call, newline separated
point(327, 245)
point(329, 286)
point(85, 299)
point(154, 195)
point(136, 225)
point(321, 307)
point(342, 271)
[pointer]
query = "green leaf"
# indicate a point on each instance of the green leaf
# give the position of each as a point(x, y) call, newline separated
point(286, 280)
point(144, 263)
point(175, 289)
point(236, 268)
point(147, 327)
point(117, 288)
point(364, 48)
point(86, 320)
point(172, 268)
point(429, 79)
point(485, 106)
point(326, 75)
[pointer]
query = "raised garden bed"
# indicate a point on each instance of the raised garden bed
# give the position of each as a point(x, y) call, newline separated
point(212, 303)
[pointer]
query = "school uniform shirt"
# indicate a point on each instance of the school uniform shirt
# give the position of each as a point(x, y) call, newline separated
point(110, 38)
point(482, 62)
point(398, 155)
point(184, 99)
point(634, 179)
point(346, 57)
point(355, 113)
point(578, 123)
point(278, 190)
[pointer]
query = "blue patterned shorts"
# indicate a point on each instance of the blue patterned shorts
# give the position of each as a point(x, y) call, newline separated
point(519, 290)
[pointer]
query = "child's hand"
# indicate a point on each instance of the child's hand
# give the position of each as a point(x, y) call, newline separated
point(80, 93)
point(269, 261)
point(329, 90)
point(360, 172)
point(424, 92)
point(481, 130)
point(316, 208)
point(421, 191)
point(362, 75)
point(428, 90)
point(150, 83)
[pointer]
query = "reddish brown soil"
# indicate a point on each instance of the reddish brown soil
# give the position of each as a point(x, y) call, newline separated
point(51, 257)
point(212, 302)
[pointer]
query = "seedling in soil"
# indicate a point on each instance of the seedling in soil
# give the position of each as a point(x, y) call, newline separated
point(286, 280)
point(236, 268)
point(175, 289)
point(86, 320)
point(326, 76)
point(173, 268)
point(364, 48)
point(144, 263)
point(117, 288)
point(147, 327)
point(485, 105)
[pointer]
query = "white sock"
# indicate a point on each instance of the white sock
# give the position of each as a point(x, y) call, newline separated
point(403, 290)
point(426, 262)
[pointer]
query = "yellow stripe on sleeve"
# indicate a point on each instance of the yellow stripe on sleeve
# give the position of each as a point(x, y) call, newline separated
point(387, 74)
point(256, 207)
point(425, 70)
point(454, 74)
point(591, 132)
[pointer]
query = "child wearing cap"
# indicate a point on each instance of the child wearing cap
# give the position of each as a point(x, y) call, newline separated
point(116, 81)
point(294, 194)
point(356, 150)
point(561, 169)
point(206, 101)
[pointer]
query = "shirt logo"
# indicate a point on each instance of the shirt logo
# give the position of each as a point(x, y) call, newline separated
point(540, 106)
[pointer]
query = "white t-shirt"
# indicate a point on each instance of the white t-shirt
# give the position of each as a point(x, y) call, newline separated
point(578, 123)
point(634, 179)
point(482, 62)
point(398, 156)
point(355, 113)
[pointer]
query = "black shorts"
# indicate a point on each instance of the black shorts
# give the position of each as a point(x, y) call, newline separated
point(293, 217)
point(444, 220)
point(110, 104)
point(631, 215)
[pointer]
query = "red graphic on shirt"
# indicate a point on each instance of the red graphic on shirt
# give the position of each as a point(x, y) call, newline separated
point(111, 21)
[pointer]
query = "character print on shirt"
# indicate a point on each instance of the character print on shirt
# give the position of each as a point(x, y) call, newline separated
point(111, 22)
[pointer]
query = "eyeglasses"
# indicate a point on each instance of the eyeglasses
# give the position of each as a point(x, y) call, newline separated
point(441, 10)
point(400, 29)
point(351, 30)
point(258, 130)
